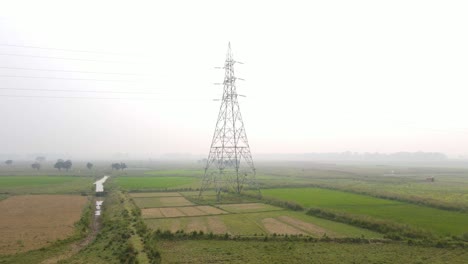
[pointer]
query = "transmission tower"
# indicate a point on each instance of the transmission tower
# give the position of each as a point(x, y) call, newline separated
point(229, 167)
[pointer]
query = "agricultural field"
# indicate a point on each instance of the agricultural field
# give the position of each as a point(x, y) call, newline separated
point(209, 251)
point(45, 184)
point(34, 221)
point(156, 183)
point(176, 213)
point(403, 182)
point(441, 222)
point(144, 201)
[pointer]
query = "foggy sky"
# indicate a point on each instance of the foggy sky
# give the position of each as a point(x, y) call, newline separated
point(321, 76)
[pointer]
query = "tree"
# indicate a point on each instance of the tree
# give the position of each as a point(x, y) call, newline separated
point(119, 166)
point(36, 165)
point(59, 164)
point(115, 166)
point(89, 165)
point(67, 165)
point(9, 162)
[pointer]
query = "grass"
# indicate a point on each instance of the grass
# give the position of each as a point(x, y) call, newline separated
point(257, 207)
point(208, 251)
point(438, 221)
point(154, 183)
point(176, 172)
point(45, 184)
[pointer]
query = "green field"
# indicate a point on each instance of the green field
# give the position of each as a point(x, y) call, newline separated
point(351, 189)
point(178, 172)
point(435, 220)
point(45, 184)
point(154, 183)
point(149, 202)
point(402, 182)
point(209, 251)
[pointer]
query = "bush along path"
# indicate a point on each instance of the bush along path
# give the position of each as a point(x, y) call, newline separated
point(122, 238)
point(89, 226)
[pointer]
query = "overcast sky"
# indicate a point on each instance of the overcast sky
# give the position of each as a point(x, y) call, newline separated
point(321, 76)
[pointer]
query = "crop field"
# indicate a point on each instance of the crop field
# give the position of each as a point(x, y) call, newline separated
point(261, 223)
point(248, 207)
point(170, 201)
point(438, 221)
point(44, 184)
point(155, 194)
point(209, 251)
point(259, 230)
point(246, 219)
point(33, 221)
point(165, 212)
point(403, 181)
point(155, 183)
point(178, 172)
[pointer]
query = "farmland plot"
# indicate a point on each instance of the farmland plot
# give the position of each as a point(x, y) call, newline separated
point(436, 220)
point(261, 223)
point(33, 221)
point(248, 207)
point(164, 212)
point(149, 202)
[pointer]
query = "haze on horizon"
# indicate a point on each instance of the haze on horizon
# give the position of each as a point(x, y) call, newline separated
point(333, 76)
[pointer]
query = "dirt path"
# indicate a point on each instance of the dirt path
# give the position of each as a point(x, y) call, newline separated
point(76, 247)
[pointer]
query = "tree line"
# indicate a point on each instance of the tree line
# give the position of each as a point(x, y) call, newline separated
point(61, 164)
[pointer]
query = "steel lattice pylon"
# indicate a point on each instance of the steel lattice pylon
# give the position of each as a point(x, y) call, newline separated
point(229, 166)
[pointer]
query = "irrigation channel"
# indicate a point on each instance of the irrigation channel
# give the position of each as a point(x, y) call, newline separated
point(99, 193)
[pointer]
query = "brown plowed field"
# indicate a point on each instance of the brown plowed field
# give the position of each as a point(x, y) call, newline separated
point(166, 212)
point(275, 226)
point(151, 213)
point(216, 225)
point(211, 210)
point(191, 211)
point(33, 221)
point(171, 212)
point(196, 224)
point(308, 227)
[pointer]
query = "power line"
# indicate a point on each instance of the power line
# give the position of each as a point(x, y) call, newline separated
point(63, 58)
point(72, 50)
point(60, 78)
point(56, 70)
point(75, 91)
point(85, 97)
point(72, 97)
